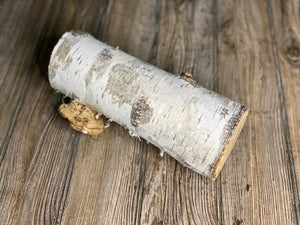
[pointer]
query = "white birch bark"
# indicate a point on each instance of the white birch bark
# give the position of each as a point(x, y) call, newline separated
point(195, 126)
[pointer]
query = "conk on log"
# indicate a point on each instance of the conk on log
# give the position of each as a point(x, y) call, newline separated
point(195, 126)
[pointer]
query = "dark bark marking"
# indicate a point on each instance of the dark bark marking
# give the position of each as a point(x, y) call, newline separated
point(102, 61)
point(61, 53)
point(224, 112)
point(141, 112)
point(199, 120)
point(122, 83)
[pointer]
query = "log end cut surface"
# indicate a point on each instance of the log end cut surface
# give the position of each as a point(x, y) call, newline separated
point(230, 143)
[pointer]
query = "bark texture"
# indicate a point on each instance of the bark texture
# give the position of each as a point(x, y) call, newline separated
point(194, 125)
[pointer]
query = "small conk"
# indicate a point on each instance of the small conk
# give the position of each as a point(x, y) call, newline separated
point(81, 117)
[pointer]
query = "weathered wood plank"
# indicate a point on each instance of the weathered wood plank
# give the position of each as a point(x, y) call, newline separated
point(262, 187)
point(286, 42)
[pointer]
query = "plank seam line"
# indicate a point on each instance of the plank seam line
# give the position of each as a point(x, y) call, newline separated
point(215, 58)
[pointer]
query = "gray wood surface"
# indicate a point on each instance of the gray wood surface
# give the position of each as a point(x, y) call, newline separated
point(246, 50)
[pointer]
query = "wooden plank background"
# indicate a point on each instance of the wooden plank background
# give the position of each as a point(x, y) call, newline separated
point(246, 50)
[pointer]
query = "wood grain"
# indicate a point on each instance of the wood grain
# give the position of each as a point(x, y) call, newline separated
point(246, 50)
point(265, 168)
point(286, 42)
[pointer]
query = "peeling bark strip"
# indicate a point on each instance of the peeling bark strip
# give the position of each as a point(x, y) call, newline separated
point(195, 126)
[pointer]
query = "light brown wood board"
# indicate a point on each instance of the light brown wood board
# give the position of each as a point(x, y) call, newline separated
point(246, 50)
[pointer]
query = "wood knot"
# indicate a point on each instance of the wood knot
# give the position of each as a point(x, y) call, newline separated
point(248, 187)
point(227, 37)
point(291, 52)
point(237, 221)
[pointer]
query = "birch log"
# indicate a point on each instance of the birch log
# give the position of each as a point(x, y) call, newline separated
point(192, 124)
